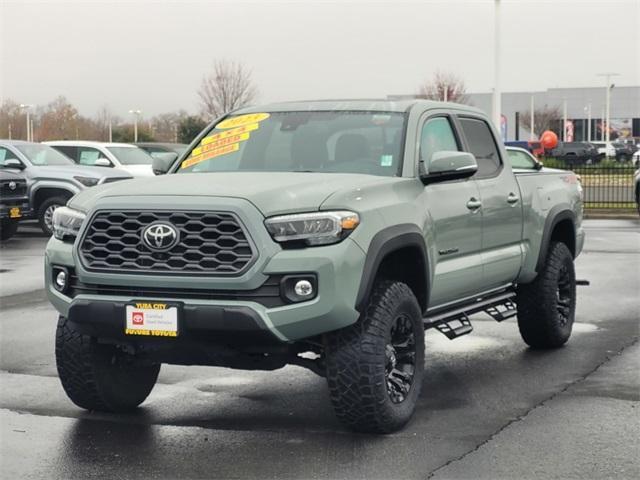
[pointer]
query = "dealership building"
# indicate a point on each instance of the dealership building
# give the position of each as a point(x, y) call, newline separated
point(625, 110)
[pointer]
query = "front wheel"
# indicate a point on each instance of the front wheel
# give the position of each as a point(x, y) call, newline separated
point(100, 377)
point(375, 367)
point(45, 213)
point(8, 228)
point(547, 306)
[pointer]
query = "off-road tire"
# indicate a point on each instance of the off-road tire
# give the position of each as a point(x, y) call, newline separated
point(8, 228)
point(540, 321)
point(42, 211)
point(100, 377)
point(357, 362)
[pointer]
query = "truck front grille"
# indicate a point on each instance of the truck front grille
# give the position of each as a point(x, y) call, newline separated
point(19, 188)
point(209, 243)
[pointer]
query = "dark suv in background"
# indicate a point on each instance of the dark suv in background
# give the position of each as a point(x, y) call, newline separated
point(576, 153)
point(14, 202)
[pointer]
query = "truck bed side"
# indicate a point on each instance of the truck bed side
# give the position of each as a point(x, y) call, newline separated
point(552, 203)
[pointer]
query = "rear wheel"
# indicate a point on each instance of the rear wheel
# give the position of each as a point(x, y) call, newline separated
point(546, 306)
point(8, 228)
point(375, 367)
point(45, 213)
point(100, 377)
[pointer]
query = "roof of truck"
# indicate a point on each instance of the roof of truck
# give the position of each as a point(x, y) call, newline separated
point(369, 105)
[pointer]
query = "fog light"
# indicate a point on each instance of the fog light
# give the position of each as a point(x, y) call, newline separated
point(61, 280)
point(299, 287)
point(303, 288)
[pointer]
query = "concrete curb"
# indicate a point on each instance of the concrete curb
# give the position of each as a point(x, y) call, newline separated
point(611, 215)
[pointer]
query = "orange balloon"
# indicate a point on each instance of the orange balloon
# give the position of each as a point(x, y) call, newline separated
point(549, 140)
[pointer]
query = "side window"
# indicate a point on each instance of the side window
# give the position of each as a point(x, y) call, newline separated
point(437, 136)
point(482, 145)
point(520, 159)
point(88, 155)
point(6, 154)
point(71, 152)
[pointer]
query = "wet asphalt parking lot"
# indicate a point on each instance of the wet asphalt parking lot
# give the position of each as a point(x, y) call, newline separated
point(490, 407)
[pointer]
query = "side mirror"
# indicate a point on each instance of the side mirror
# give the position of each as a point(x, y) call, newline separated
point(103, 162)
point(14, 163)
point(449, 165)
point(162, 162)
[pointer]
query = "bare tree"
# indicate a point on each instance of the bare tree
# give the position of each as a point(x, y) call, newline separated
point(12, 120)
point(444, 86)
point(545, 118)
point(227, 87)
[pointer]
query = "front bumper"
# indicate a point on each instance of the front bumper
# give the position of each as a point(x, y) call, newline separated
point(338, 269)
point(7, 205)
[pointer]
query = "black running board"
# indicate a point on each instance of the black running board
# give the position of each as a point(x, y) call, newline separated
point(454, 321)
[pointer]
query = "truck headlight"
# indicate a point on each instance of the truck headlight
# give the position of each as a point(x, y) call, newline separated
point(67, 222)
point(318, 228)
point(87, 181)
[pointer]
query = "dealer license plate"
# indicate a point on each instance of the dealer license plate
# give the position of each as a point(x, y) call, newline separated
point(152, 319)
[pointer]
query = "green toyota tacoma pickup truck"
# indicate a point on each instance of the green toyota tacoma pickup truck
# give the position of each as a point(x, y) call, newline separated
point(328, 235)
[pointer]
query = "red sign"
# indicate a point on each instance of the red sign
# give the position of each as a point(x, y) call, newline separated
point(138, 318)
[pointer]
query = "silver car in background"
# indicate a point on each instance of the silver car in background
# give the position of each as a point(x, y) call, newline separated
point(124, 156)
point(52, 178)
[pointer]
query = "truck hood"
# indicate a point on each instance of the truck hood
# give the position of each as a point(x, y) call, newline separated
point(272, 193)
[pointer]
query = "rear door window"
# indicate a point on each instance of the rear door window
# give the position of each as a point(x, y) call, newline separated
point(483, 146)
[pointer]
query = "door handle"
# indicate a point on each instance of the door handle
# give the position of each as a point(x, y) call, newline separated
point(474, 204)
point(512, 198)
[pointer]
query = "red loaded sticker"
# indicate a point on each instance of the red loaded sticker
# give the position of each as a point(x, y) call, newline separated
point(138, 318)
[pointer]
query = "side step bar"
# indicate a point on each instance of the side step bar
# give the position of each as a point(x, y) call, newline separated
point(455, 322)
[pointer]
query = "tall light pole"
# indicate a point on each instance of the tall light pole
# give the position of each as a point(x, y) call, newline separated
point(110, 129)
point(609, 86)
point(136, 114)
point(27, 107)
point(588, 109)
point(564, 119)
point(497, 100)
point(533, 119)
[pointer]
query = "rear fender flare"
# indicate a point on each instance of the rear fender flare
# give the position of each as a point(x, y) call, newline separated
point(556, 215)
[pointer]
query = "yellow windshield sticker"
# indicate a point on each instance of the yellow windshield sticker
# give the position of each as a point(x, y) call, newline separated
point(229, 133)
point(242, 120)
point(220, 143)
point(234, 147)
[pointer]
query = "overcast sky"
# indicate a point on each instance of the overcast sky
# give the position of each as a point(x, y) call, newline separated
point(152, 55)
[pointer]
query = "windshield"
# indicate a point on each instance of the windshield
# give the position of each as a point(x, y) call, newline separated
point(43, 155)
point(131, 155)
point(335, 141)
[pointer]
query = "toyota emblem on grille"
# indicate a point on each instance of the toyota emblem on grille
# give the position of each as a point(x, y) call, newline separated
point(160, 236)
point(12, 185)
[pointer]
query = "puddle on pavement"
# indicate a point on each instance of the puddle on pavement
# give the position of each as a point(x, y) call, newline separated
point(584, 327)
point(468, 343)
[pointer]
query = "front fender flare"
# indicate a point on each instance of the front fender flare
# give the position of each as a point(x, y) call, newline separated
point(382, 244)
